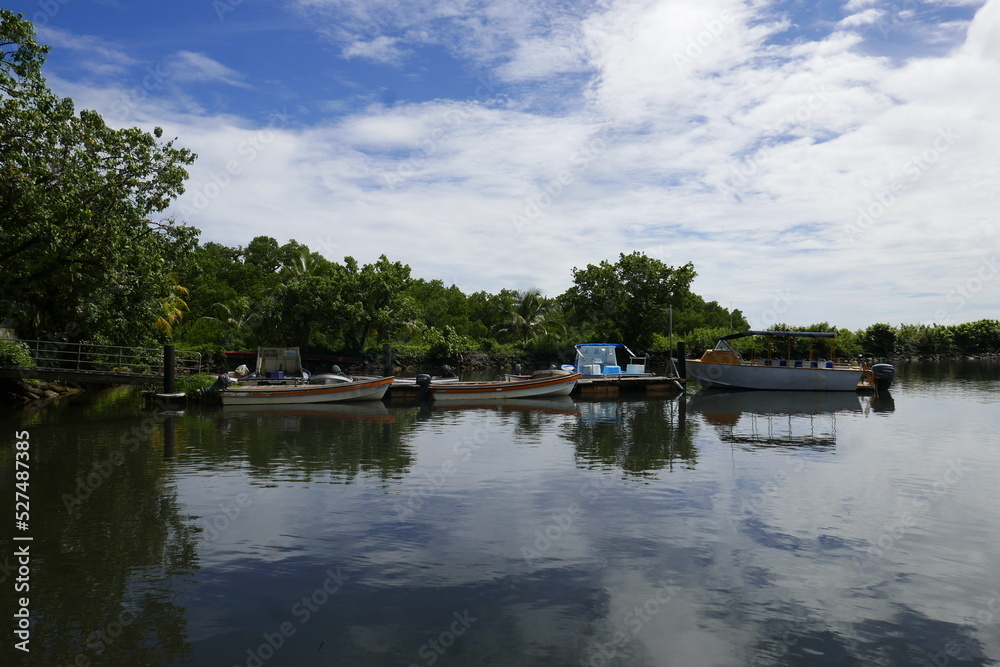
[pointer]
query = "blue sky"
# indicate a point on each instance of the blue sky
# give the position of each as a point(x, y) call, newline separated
point(823, 161)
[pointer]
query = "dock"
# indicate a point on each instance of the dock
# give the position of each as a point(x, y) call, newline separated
point(587, 386)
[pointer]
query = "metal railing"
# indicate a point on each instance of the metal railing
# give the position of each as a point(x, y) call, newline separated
point(94, 357)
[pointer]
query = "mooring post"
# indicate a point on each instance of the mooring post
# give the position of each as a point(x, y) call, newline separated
point(681, 354)
point(168, 369)
point(386, 360)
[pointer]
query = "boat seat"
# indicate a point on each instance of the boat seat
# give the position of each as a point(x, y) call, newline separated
point(783, 362)
point(829, 364)
point(798, 363)
point(814, 364)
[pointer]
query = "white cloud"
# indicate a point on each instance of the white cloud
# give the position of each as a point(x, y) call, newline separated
point(865, 17)
point(189, 66)
point(698, 137)
point(96, 56)
point(382, 49)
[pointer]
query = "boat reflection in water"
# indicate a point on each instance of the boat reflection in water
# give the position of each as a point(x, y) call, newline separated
point(761, 419)
point(366, 411)
point(549, 404)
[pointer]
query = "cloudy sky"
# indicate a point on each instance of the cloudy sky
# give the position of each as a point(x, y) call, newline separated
point(833, 161)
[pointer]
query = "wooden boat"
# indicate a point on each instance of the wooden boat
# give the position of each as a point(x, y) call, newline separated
point(280, 379)
point(542, 383)
point(724, 366)
point(272, 394)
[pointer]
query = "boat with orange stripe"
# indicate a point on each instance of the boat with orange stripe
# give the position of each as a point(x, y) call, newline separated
point(280, 379)
point(552, 382)
point(354, 390)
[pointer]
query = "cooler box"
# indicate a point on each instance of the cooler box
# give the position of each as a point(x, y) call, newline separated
point(635, 368)
point(612, 370)
point(592, 369)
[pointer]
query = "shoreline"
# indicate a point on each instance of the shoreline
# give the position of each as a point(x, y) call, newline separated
point(16, 394)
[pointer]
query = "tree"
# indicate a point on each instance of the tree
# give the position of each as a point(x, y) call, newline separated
point(373, 300)
point(527, 315)
point(628, 301)
point(79, 250)
point(879, 339)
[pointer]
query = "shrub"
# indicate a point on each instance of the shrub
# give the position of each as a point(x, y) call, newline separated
point(15, 353)
point(879, 339)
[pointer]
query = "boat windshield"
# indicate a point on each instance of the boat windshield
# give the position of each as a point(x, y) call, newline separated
point(723, 345)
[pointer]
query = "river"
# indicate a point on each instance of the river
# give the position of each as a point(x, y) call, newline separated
point(754, 528)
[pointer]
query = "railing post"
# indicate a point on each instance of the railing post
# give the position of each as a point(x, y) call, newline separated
point(168, 369)
point(681, 357)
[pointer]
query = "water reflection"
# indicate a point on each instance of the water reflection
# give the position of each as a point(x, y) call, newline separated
point(537, 533)
point(754, 419)
point(110, 538)
point(335, 441)
point(639, 437)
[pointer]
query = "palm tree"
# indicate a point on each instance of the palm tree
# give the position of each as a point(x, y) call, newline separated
point(528, 315)
point(173, 307)
point(238, 313)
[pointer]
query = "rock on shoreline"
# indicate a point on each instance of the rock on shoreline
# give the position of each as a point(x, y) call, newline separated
point(15, 393)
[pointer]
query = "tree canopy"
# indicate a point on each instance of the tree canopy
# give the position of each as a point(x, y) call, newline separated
point(77, 200)
point(628, 301)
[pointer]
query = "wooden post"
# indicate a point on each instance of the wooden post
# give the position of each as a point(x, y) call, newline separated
point(168, 369)
point(386, 360)
point(681, 354)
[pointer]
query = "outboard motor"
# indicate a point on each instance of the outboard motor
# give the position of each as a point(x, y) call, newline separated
point(517, 369)
point(884, 374)
point(446, 372)
point(423, 380)
point(221, 382)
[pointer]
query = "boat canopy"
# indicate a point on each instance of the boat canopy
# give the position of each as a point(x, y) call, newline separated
point(796, 334)
point(278, 360)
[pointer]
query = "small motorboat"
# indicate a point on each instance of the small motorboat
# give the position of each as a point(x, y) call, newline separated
point(280, 379)
point(542, 383)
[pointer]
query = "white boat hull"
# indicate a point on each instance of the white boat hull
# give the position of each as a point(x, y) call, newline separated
point(790, 378)
point(369, 390)
point(560, 385)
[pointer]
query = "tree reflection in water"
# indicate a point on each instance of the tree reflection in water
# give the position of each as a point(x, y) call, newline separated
point(640, 437)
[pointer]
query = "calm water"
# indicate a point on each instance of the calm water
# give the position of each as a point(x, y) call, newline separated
point(753, 529)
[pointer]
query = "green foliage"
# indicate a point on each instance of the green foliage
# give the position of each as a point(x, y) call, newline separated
point(372, 301)
point(924, 339)
point(627, 301)
point(879, 339)
point(193, 384)
point(14, 353)
point(79, 247)
point(703, 338)
point(977, 337)
point(528, 316)
point(446, 343)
